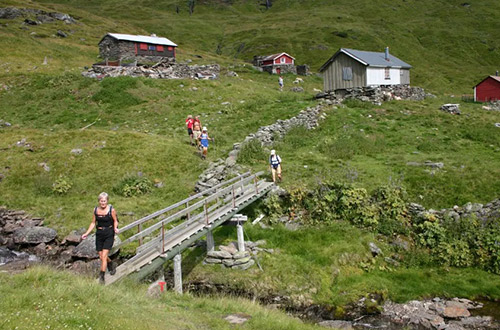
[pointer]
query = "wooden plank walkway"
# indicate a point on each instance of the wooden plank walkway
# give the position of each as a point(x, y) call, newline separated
point(173, 229)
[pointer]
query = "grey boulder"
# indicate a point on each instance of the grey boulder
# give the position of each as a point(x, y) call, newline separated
point(34, 235)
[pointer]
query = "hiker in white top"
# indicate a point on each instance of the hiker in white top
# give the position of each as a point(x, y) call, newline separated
point(275, 165)
point(280, 82)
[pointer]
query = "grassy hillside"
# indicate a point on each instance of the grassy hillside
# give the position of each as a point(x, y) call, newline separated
point(451, 45)
point(372, 146)
point(137, 126)
point(45, 299)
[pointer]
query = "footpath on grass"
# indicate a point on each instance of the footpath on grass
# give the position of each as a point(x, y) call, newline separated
point(221, 169)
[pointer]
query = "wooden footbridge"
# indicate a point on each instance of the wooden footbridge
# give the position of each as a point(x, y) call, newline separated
point(164, 234)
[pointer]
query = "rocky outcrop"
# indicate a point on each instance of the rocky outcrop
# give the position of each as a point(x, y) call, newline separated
point(166, 69)
point(437, 314)
point(24, 240)
point(452, 108)
point(375, 94)
point(86, 248)
point(40, 16)
point(492, 106)
point(218, 171)
point(34, 235)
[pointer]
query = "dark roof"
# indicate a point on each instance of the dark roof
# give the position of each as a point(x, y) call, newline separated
point(376, 59)
point(497, 78)
point(275, 56)
point(145, 39)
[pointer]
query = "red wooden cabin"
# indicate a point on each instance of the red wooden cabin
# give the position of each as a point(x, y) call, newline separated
point(488, 89)
point(275, 63)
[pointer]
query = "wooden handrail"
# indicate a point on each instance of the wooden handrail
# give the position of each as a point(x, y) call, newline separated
point(176, 205)
point(182, 212)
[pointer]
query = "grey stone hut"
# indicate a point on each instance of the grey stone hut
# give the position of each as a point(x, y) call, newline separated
point(349, 68)
point(118, 49)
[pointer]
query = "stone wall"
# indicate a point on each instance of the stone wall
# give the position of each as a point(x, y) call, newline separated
point(220, 170)
point(165, 69)
point(376, 94)
point(303, 70)
point(284, 68)
point(482, 212)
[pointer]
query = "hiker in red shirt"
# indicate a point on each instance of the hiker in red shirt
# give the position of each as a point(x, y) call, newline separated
point(189, 124)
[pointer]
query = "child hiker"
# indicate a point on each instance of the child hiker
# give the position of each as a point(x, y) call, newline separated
point(204, 138)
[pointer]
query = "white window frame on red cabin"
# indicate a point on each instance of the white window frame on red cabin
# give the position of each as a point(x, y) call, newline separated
point(282, 60)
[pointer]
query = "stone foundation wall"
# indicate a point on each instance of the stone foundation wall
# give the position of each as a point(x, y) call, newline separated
point(166, 69)
point(376, 94)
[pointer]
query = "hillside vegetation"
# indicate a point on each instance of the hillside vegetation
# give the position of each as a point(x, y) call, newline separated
point(45, 299)
point(132, 130)
point(451, 44)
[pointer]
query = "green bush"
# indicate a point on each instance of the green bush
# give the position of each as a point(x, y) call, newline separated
point(133, 186)
point(252, 152)
point(62, 185)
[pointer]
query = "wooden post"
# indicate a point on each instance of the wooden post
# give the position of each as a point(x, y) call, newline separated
point(139, 228)
point(178, 274)
point(241, 239)
point(162, 238)
point(206, 213)
point(210, 241)
point(256, 187)
point(234, 201)
point(189, 213)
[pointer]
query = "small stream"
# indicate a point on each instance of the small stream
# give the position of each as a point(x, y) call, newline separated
point(490, 308)
point(318, 313)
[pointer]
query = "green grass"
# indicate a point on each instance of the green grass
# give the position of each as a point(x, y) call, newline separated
point(332, 265)
point(142, 124)
point(451, 46)
point(45, 299)
point(372, 146)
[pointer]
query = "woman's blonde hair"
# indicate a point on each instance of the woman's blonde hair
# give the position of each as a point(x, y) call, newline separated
point(103, 195)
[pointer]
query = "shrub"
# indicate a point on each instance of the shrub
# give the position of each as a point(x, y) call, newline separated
point(133, 186)
point(252, 152)
point(62, 185)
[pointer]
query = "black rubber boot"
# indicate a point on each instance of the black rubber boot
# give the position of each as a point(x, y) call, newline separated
point(101, 277)
point(111, 268)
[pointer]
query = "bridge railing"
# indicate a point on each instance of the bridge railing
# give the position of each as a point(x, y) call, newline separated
point(192, 209)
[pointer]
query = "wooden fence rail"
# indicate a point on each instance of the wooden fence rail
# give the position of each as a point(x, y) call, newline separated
point(186, 220)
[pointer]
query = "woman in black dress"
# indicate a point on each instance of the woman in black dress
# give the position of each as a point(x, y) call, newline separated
point(107, 227)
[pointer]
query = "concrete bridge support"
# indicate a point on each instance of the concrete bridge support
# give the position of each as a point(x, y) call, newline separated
point(210, 241)
point(241, 238)
point(178, 273)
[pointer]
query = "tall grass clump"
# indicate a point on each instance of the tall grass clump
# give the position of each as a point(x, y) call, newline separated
point(252, 152)
point(114, 93)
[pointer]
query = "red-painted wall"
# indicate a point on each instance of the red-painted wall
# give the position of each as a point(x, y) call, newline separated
point(288, 60)
point(488, 90)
